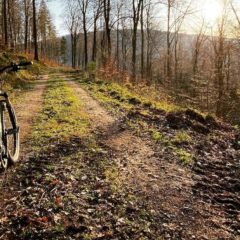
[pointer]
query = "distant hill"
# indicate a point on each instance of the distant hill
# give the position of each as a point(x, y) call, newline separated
point(158, 38)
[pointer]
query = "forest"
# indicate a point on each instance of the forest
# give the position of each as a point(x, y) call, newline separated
point(188, 54)
point(120, 119)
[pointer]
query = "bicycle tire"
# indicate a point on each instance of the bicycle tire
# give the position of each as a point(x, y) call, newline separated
point(4, 160)
point(12, 154)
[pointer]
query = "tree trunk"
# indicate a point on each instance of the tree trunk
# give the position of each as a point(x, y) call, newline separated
point(142, 42)
point(10, 23)
point(117, 47)
point(94, 48)
point(72, 48)
point(26, 26)
point(5, 23)
point(134, 47)
point(124, 51)
point(169, 72)
point(136, 15)
point(85, 42)
point(107, 34)
point(35, 32)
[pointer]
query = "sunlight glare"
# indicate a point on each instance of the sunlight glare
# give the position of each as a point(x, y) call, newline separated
point(211, 11)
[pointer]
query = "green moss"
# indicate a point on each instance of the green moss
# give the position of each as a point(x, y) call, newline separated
point(157, 136)
point(184, 156)
point(59, 119)
point(112, 177)
point(182, 137)
point(165, 106)
point(125, 96)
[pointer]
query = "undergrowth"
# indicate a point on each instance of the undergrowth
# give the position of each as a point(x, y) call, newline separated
point(180, 138)
point(23, 79)
point(127, 96)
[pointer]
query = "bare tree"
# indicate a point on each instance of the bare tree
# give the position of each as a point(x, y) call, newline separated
point(73, 24)
point(26, 23)
point(136, 9)
point(219, 46)
point(97, 11)
point(83, 5)
point(107, 33)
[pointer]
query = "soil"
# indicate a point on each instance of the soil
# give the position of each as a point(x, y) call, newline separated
point(27, 105)
point(174, 201)
point(186, 203)
point(28, 108)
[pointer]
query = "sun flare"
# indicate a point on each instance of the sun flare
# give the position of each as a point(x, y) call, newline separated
point(211, 11)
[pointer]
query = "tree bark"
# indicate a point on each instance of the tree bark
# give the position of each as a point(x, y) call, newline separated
point(35, 32)
point(136, 16)
point(85, 41)
point(169, 70)
point(142, 42)
point(107, 34)
point(94, 48)
point(5, 23)
point(26, 9)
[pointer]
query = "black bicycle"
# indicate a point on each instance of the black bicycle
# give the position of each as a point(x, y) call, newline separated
point(9, 129)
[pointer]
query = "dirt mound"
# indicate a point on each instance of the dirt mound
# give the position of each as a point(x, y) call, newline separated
point(191, 119)
point(183, 120)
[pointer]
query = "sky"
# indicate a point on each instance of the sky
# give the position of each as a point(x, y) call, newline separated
point(56, 8)
point(208, 8)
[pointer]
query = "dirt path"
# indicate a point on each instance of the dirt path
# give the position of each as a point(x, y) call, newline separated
point(162, 183)
point(27, 105)
point(109, 184)
point(137, 163)
point(28, 108)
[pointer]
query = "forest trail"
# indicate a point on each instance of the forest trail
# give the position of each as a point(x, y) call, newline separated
point(164, 186)
point(27, 108)
point(90, 175)
point(27, 104)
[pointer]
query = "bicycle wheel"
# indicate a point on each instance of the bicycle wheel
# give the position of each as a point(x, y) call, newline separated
point(11, 135)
